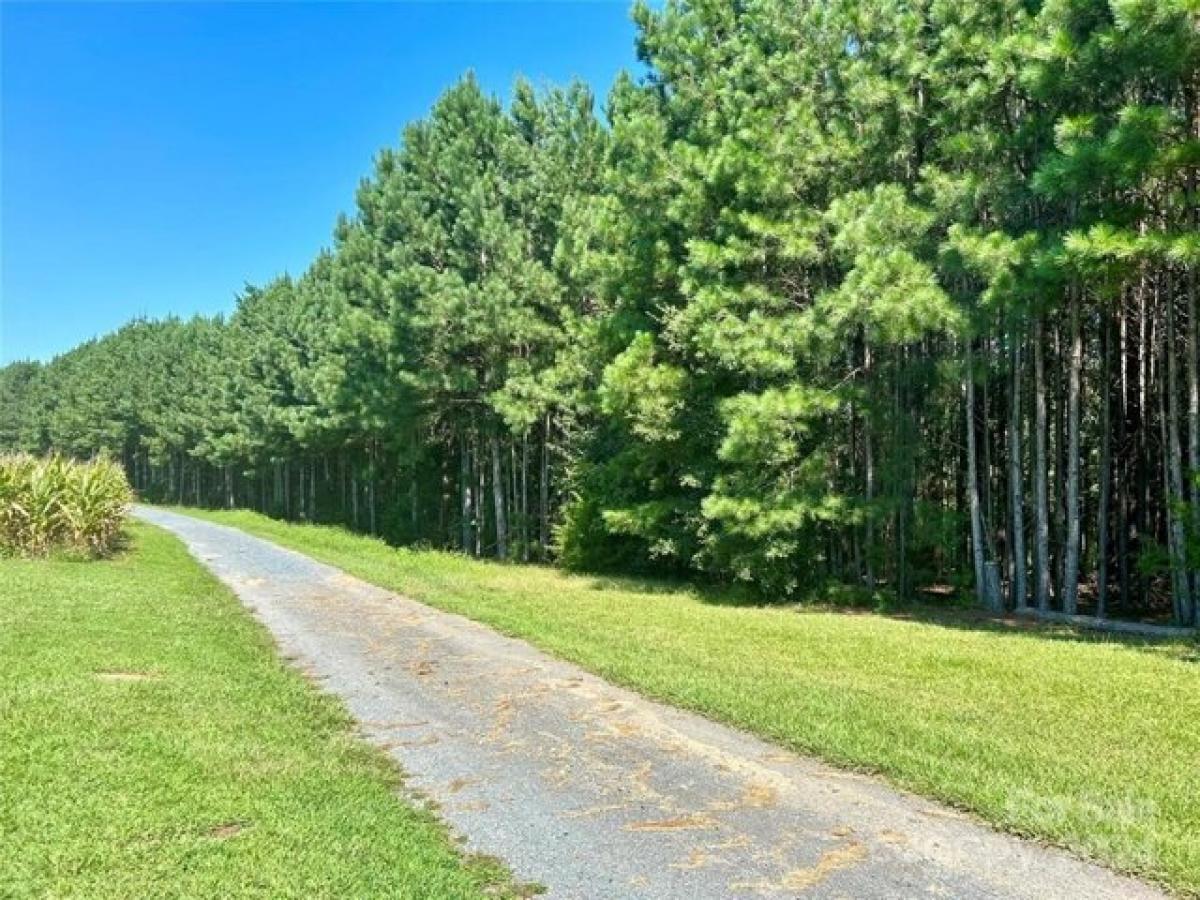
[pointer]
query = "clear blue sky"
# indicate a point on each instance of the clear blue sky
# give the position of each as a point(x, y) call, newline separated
point(157, 156)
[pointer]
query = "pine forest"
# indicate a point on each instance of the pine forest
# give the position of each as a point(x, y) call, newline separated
point(885, 299)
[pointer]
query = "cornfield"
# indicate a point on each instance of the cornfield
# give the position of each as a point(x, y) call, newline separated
point(57, 503)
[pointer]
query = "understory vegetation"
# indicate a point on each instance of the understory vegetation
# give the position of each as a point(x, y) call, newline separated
point(1011, 722)
point(58, 504)
point(156, 746)
point(892, 294)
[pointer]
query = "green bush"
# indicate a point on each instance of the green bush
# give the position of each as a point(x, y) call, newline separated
point(53, 503)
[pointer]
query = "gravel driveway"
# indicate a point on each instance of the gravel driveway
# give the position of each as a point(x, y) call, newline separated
point(595, 792)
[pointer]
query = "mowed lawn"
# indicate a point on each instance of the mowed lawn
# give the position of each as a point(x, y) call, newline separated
point(152, 744)
point(1086, 741)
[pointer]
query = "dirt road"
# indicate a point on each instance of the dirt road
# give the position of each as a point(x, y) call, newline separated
point(596, 792)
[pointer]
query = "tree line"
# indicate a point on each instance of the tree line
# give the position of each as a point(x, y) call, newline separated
point(897, 295)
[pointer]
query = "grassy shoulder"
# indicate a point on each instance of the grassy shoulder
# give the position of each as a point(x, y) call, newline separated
point(155, 745)
point(1087, 741)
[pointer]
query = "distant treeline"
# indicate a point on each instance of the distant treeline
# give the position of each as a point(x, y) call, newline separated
point(890, 294)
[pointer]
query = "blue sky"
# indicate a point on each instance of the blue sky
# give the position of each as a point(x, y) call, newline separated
point(157, 156)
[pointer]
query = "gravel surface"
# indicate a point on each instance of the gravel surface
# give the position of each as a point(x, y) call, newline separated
point(595, 792)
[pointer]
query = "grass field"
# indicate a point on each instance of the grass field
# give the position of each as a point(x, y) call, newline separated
point(1087, 741)
point(153, 745)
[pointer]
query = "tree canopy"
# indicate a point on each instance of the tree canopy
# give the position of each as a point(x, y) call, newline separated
point(899, 296)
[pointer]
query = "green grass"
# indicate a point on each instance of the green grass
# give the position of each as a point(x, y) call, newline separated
point(152, 744)
point(1087, 741)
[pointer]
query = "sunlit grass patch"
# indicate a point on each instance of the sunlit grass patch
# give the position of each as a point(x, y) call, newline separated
point(154, 745)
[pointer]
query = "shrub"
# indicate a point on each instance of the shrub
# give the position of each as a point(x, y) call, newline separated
point(52, 503)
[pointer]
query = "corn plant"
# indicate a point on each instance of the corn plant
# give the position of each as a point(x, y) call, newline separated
point(58, 503)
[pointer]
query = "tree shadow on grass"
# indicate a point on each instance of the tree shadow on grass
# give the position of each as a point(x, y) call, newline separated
point(1183, 648)
point(711, 594)
point(949, 613)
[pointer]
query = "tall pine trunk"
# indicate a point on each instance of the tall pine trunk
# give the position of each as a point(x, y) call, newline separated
point(869, 466)
point(498, 500)
point(525, 496)
point(372, 512)
point(480, 494)
point(1020, 597)
point(1041, 506)
point(983, 577)
point(464, 487)
point(1174, 469)
point(1193, 474)
point(544, 491)
point(1121, 471)
point(1070, 578)
point(1102, 512)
